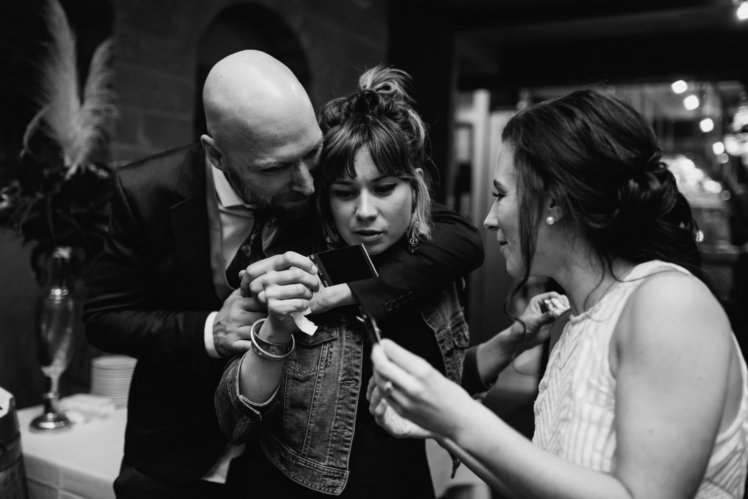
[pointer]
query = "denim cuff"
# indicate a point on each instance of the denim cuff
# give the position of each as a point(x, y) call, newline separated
point(238, 416)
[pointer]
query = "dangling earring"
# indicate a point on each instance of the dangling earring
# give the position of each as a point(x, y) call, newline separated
point(413, 239)
point(329, 243)
point(413, 243)
point(550, 220)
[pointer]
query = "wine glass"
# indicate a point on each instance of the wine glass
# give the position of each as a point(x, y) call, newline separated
point(56, 328)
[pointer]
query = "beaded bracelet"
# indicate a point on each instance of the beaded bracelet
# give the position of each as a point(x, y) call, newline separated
point(267, 349)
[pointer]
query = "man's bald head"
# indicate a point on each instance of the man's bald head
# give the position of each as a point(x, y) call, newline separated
point(249, 91)
point(262, 130)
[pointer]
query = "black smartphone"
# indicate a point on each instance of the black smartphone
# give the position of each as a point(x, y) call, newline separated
point(343, 265)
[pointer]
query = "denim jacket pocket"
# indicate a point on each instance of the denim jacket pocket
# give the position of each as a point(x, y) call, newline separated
point(309, 394)
point(313, 353)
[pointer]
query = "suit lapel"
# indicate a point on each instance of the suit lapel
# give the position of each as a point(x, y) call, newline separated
point(190, 220)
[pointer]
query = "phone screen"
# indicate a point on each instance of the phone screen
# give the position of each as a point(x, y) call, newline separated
point(343, 265)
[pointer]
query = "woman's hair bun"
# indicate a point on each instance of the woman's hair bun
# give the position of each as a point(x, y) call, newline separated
point(386, 81)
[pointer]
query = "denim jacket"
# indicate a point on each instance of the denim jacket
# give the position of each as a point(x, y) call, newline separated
point(308, 424)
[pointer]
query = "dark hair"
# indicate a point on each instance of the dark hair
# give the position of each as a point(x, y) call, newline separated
point(381, 117)
point(600, 161)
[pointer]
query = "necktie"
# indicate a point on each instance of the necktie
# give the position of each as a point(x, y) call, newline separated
point(249, 252)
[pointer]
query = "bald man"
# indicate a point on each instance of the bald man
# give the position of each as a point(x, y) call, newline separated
point(160, 291)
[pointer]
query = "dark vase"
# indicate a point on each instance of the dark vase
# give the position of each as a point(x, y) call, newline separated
point(57, 316)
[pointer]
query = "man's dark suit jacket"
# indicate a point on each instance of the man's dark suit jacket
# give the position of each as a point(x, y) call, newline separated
point(152, 291)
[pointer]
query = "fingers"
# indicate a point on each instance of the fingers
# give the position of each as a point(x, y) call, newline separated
point(287, 292)
point(293, 275)
point(252, 305)
point(556, 305)
point(549, 304)
point(274, 263)
point(287, 307)
point(280, 262)
point(377, 403)
point(404, 359)
point(399, 367)
point(240, 346)
point(370, 388)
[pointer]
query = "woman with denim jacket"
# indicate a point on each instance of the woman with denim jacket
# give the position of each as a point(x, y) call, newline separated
point(305, 395)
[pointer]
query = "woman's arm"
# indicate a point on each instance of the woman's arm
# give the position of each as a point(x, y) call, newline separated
point(249, 383)
point(531, 329)
point(287, 288)
point(440, 406)
point(670, 354)
point(454, 250)
point(671, 359)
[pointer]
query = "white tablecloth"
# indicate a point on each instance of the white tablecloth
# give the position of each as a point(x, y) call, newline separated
point(81, 462)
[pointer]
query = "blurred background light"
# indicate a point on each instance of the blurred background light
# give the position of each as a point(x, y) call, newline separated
point(679, 86)
point(691, 102)
point(742, 11)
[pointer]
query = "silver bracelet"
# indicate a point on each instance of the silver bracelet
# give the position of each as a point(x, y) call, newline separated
point(267, 349)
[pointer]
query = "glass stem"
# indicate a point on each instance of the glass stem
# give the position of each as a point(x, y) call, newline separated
point(50, 399)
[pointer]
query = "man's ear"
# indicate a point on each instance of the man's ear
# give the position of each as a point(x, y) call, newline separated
point(211, 151)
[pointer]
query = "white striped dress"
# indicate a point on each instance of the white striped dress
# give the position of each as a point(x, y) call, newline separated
point(575, 407)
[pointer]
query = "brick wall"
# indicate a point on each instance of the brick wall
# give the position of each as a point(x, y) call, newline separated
point(157, 44)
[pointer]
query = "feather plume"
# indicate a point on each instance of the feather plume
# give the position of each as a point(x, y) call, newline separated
point(97, 111)
point(76, 125)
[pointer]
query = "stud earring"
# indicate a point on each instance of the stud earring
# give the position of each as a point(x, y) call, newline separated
point(550, 220)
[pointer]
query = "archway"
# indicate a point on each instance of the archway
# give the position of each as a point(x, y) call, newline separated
point(242, 27)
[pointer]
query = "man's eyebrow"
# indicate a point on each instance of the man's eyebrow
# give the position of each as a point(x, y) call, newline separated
point(274, 165)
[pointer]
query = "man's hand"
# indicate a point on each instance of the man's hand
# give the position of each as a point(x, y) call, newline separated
point(233, 322)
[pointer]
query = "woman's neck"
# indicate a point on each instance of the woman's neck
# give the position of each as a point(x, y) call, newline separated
point(586, 279)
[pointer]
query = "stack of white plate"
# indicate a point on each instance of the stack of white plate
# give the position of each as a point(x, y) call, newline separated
point(110, 377)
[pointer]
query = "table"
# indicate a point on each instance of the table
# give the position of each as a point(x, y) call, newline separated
point(78, 463)
point(82, 462)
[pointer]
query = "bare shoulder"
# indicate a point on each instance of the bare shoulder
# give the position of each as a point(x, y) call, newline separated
point(673, 311)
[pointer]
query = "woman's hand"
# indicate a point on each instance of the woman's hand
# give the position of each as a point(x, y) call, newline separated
point(387, 418)
point(537, 316)
point(331, 297)
point(417, 391)
point(286, 284)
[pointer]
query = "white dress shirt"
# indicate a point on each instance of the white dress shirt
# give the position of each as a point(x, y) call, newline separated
point(230, 222)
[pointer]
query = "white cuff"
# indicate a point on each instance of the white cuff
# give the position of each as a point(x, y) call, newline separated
point(210, 346)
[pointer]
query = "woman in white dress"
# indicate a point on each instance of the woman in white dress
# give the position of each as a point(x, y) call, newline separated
point(645, 392)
